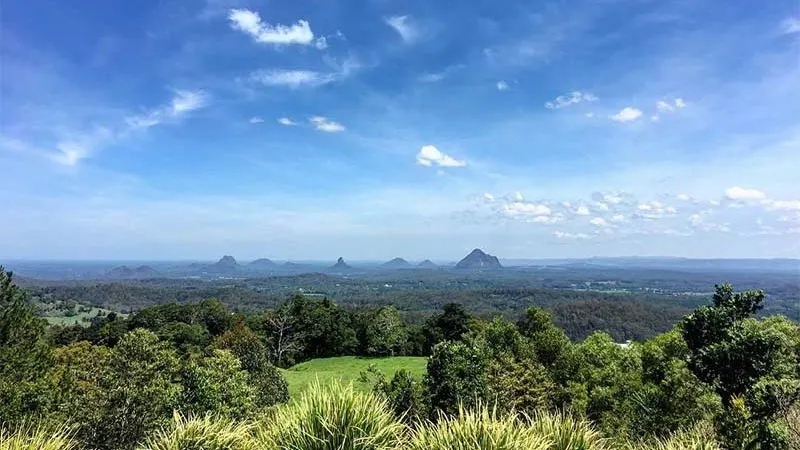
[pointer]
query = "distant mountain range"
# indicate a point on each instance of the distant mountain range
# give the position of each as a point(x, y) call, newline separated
point(137, 272)
point(477, 259)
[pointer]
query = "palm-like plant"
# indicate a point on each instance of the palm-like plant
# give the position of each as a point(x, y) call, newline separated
point(701, 437)
point(333, 417)
point(206, 432)
point(477, 430)
point(567, 433)
point(27, 437)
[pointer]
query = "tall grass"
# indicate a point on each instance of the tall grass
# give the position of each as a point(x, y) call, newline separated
point(333, 417)
point(701, 437)
point(27, 437)
point(567, 433)
point(481, 430)
point(207, 432)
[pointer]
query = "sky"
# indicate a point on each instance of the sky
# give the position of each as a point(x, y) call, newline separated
point(369, 129)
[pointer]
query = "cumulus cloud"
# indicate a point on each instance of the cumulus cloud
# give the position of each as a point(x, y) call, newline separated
point(670, 107)
point(286, 121)
point(431, 156)
point(321, 43)
point(502, 86)
point(255, 120)
point(743, 194)
point(525, 209)
point(791, 25)
point(574, 97)
point(627, 114)
point(324, 124)
point(598, 222)
point(582, 211)
point(250, 23)
point(403, 26)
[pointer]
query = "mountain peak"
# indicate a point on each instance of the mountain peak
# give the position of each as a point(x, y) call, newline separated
point(478, 259)
point(226, 261)
point(427, 264)
point(261, 262)
point(340, 265)
point(396, 263)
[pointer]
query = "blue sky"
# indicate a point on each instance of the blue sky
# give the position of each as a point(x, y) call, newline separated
point(372, 129)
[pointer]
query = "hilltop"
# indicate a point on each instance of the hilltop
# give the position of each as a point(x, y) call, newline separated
point(478, 259)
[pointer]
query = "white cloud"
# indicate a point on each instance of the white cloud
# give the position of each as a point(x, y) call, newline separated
point(627, 114)
point(739, 193)
point(791, 25)
point(582, 211)
point(589, 115)
point(655, 118)
point(255, 120)
point(598, 222)
point(786, 205)
point(488, 197)
point(517, 196)
point(186, 101)
point(664, 106)
point(70, 153)
point(291, 78)
point(679, 103)
point(566, 235)
point(601, 206)
point(572, 98)
point(138, 122)
point(431, 156)
point(321, 43)
point(525, 209)
point(403, 26)
point(502, 86)
point(250, 23)
point(618, 218)
point(556, 218)
point(683, 197)
point(324, 124)
point(286, 121)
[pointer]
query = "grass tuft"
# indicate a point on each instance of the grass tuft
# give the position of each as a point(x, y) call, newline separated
point(207, 432)
point(567, 433)
point(39, 438)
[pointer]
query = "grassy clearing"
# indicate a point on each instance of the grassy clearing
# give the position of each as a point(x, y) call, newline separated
point(77, 318)
point(347, 369)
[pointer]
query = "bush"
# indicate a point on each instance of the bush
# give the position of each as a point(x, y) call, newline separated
point(25, 437)
point(567, 433)
point(482, 430)
point(206, 432)
point(333, 417)
point(701, 437)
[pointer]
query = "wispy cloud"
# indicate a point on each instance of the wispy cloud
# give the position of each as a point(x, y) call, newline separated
point(285, 121)
point(627, 114)
point(250, 22)
point(573, 98)
point(791, 25)
point(256, 120)
point(502, 86)
point(295, 79)
point(404, 27)
point(429, 155)
point(324, 124)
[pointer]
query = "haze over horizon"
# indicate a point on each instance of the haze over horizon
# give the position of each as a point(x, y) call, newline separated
point(173, 130)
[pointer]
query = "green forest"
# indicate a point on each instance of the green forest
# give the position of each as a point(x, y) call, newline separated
point(200, 374)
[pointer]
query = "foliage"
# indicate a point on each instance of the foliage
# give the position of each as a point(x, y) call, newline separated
point(24, 354)
point(481, 430)
point(27, 437)
point(457, 376)
point(700, 437)
point(751, 364)
point(333, 417)
point(385, 333)
point(206, 432)
point(449, 325)
point(404, 394)
point(217, 384)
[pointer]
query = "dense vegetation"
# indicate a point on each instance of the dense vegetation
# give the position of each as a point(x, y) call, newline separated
point(721, 378)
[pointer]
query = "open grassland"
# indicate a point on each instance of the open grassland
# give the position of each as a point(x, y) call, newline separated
point(347, 369)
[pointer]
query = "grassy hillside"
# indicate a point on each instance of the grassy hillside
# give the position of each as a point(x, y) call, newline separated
point(347, 369)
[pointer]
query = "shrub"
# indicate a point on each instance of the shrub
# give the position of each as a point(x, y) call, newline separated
point(334, 417)
point(701, 437)
point(482, 430)
point(25, 437)
point(567, 433)
point(206, 432)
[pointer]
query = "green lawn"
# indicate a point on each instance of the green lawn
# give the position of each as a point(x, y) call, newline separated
point(348, 369)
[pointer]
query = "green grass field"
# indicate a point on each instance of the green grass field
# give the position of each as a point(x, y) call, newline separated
point(71, 320)
point(348, 369)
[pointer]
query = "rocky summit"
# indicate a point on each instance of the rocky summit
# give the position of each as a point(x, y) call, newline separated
point(478, 259)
